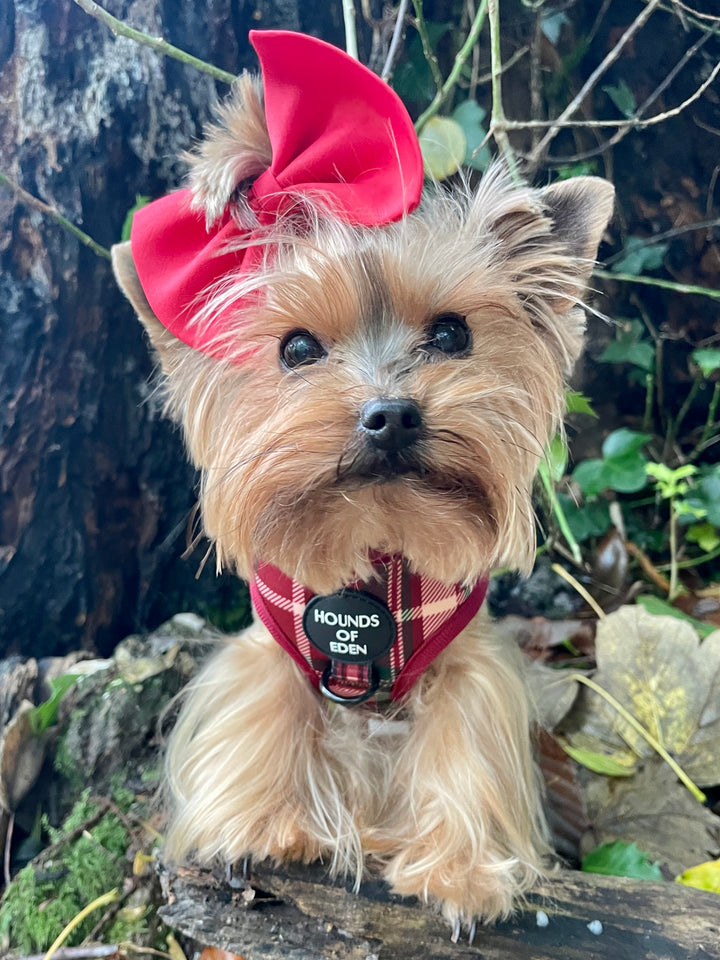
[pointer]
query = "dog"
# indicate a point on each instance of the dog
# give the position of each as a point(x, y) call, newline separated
point(367, 371)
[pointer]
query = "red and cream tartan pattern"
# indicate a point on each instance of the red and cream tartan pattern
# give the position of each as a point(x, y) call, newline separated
point(428, 615)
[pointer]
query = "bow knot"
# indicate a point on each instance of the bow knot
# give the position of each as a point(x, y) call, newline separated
point(339, 136)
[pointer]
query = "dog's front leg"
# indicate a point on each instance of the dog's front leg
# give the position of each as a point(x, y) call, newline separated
point(247, 770)
point(466, 813)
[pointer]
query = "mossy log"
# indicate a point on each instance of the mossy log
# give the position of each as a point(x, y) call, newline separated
point(299, 913)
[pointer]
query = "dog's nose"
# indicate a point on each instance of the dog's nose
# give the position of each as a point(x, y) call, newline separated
point(391, 424)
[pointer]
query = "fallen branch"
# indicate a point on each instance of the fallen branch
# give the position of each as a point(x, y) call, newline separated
point(306, 916)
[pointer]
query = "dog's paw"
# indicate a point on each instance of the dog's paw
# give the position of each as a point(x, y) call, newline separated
point(463, 891)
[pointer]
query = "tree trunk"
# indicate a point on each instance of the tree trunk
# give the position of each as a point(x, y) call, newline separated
point(95, 492)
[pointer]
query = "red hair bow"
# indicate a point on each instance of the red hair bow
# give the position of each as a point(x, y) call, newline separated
point(337, 132)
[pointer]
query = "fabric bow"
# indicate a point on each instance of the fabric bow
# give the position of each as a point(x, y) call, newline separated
point(337, 131)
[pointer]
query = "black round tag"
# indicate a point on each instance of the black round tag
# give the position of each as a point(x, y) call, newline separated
point(350, 626)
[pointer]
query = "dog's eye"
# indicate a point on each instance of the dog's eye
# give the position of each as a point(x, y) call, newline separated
point(449, 334)
point(300, 348)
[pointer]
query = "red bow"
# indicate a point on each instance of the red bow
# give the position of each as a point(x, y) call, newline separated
point(337, 132)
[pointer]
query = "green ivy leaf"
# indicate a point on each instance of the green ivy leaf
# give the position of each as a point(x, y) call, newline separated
point(578, 403)
point(704, 498)
point(470, 115)
point(640, 354)
point(626, 474)
point(705, 535)
point(590, 477)
point(45, 714)
point(443, 147)
point(413, 80)
point(638, 256)
point(621, 859)
point(661, 608)
point(623, 443)
point(556, 455)
point(623, 97)
point(671, 483)
point(592, 519)
point(586, 168)
point(628, 347)
point(707, 359)
point(622, 467)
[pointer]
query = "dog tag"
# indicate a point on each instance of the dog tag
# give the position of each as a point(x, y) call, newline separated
point(350, 626)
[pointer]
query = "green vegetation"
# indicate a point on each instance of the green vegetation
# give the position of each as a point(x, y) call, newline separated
point(82, 865)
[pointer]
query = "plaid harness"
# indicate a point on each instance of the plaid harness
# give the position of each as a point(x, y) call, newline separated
point(427, 616)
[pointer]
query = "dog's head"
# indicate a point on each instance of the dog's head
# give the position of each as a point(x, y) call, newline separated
point(375, 387)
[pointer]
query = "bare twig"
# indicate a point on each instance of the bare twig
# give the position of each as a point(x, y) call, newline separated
point(497, 118)
point(350, 28)
point(90, 952)
point(598, 20)
point(635, 122)
point(395, 42)
point(121, 29)
point(535, 82)
point(509, 63)
point(460, 58)
point(8, 846)
point(426, 45)
point(667, 235)
point(30, 201)
point(475, 66)
point(592, 80)
point(695, 13)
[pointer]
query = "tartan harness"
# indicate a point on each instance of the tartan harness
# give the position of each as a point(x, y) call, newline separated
point(409, 619)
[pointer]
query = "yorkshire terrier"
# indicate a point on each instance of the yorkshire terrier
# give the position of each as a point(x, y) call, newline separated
point(367, 378)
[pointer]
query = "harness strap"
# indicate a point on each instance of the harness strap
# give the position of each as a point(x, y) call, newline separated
point(427, 615)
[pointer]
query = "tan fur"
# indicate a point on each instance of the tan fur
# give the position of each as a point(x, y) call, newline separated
point(442, 798)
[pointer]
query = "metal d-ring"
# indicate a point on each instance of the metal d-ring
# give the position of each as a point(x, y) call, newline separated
point(349, 701)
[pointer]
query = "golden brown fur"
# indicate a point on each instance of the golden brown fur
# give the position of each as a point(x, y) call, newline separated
point(444, 798)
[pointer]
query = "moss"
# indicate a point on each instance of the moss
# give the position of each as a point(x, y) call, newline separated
point(41, 901)
point(66, 764)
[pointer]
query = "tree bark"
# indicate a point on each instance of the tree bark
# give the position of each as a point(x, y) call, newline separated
point(301, 915)
point(95, 492)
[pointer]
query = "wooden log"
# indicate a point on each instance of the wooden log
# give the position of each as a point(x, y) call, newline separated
point(299, 913)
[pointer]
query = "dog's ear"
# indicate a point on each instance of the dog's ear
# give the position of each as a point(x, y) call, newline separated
point(547, 239)
point(232, 154)
point(580, 210)
point(169, 349)
point(546, 242)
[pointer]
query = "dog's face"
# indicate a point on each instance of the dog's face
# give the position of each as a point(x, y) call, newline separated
point(397, 385)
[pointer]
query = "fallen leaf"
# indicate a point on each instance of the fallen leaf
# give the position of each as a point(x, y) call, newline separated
point(609, 764)
point(652, 809)
point(553, 693)
point(621, 859)
point(21, 757)
point(667, 679)
point(215, 953)
point(705, 876)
